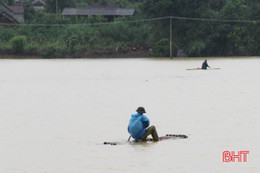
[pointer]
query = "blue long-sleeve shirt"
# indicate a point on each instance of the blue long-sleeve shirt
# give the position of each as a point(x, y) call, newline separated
point(137, 125)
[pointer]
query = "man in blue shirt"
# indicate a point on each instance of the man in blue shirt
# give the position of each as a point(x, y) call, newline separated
point(139, 126)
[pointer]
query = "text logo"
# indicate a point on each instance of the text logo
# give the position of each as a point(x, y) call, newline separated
point(231, 156)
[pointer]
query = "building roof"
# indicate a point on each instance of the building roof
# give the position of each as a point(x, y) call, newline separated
point(102, 9)
point(38, 3)
point(6, 15)
point(38, 7)
point(19, 2)
point(97, 11)
point(103, 5)
point(17, 9)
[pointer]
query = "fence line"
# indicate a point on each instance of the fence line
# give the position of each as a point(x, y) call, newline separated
point(136, 21)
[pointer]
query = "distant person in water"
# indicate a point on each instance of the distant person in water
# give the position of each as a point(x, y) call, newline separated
point(139, 126)
point(205, 65)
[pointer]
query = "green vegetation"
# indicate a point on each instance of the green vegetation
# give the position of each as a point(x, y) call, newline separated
point(18, 43)
point(76, 38)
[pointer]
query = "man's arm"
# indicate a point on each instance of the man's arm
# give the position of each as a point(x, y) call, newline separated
point(146, 121)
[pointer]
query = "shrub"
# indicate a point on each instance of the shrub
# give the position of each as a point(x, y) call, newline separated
point(49, 51)
point(162, 48)
point(18, 43)
point(6, 33)
point(72, 43)
point(31, 49)
point(54, 50)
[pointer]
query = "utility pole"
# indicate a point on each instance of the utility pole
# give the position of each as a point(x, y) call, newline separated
point(170, 37)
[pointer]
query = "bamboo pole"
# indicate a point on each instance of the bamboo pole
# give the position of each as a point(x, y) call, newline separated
point(170, 37)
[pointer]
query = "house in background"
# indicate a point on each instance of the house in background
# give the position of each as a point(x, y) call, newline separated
point(38, 4)
point(110, 11)
point(7, 16)
point(18, 12)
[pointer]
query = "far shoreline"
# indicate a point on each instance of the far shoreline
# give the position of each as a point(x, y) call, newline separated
point(115, 56)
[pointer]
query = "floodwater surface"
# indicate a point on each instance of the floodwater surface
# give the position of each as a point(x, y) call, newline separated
point(56, 114)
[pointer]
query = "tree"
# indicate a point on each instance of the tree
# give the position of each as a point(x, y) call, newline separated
point(188, 35)
point(236, 33)
point(7, 2)
point(10, 2)
point(29, 12)
point(53, 5)
point(3, 1)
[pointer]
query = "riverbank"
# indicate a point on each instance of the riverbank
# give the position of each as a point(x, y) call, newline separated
point(126, 53)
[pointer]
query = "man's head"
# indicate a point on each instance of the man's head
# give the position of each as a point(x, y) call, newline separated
point(140, 110)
